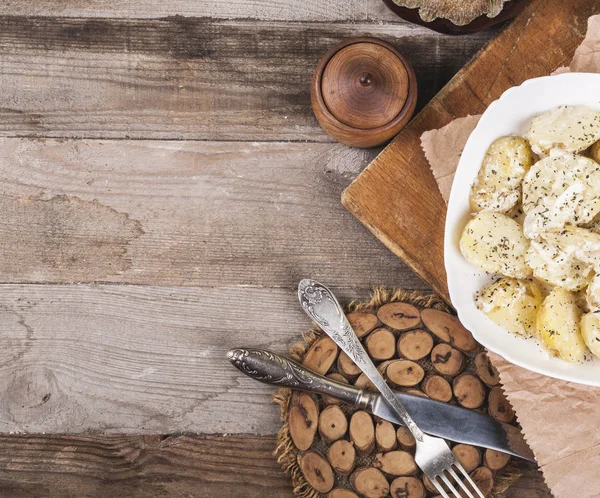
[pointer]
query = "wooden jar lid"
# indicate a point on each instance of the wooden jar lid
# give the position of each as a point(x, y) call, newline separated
point(363, 92)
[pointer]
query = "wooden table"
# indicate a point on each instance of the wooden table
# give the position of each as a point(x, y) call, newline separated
point(162, 188)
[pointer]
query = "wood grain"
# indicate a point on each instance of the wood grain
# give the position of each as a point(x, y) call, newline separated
point(396, 197)
point(140, 359)
point(363, 92)
point(181, 78)
point(140, 466)
point(221, 219)
point(185, 213)
point(272, 10)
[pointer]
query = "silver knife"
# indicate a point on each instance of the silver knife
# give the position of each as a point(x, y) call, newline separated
point(433, 417)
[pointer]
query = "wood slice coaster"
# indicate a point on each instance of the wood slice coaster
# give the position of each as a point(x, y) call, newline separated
point(333, 450)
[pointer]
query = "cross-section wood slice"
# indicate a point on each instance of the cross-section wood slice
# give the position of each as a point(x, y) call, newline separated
point(381, 344)
point(436, 387)
point(347, 366)
point(362, 432)
point(365, 383)
point(469, 390)
point(499, 407)
point(495, 460)
point(385, 435)
point(486, 371)
point(362, 323)
point(407, 487)
point(446, 360)
point(449, 329)
point(342, 493)
point(342, 456)
point(396, 463)
point(484, 479)
point(399, 316)
point(333, 423)
point(405, 373)
point(316, 471)
point(468, 456)
point(405, 438)
point(415, 344)
point(370, 482)
point(382, 367)
point(321, 355)
point(303, 419)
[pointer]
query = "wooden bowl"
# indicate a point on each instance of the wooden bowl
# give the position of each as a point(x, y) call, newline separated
point(441, 25)
point(363, 92)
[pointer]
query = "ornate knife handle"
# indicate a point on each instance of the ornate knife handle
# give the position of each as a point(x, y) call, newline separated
point(271, 368)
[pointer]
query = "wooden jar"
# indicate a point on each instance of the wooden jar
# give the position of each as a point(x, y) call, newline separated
point(363, 92)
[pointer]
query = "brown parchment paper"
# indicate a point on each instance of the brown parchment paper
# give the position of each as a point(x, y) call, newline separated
point(560, 420)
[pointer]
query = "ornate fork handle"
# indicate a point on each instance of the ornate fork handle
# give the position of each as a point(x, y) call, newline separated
point(321, 305)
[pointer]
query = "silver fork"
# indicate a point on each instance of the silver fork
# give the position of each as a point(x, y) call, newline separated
point(433, 455)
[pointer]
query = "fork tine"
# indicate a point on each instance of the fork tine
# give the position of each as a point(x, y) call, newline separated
point(449, 484)
point(468, 478)
point(440, 489)
point(460, 483)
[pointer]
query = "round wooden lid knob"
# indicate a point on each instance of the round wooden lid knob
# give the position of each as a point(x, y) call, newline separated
point(363, 92)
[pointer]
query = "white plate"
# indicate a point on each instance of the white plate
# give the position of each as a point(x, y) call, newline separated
point(510, 114)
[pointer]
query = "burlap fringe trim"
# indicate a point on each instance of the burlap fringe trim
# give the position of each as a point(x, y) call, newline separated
point(287, 453)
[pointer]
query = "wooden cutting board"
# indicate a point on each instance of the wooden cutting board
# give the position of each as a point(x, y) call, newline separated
point(396, 196)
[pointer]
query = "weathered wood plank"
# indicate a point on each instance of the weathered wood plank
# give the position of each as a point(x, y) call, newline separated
point(136, 466)
point(140, 359)
point(185, 213)
point(268, 10)
point(182, 78)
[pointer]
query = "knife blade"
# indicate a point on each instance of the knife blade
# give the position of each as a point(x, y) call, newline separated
point(433, 417)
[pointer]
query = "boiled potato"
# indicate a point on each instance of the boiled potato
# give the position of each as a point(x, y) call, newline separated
point(553, 175)
point(572, 128)
point(495, 243)
point(554, 266)
point(590, 332)
point(560, 190)
point(582, 244)
point(558, 325)
point(592, 294)
point(513, 304)
point(498, 184)
point(542, 219)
